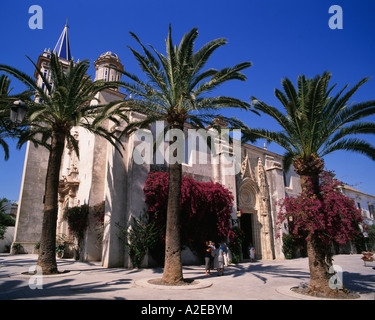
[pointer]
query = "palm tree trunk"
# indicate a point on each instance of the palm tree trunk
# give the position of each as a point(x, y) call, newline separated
point(319, 265)
point(318, 253)
point(47, 250)
point(173, 265)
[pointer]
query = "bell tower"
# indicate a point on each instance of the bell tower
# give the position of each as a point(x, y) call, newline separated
point(105, 67)
point(62, 50)
point(31, 199)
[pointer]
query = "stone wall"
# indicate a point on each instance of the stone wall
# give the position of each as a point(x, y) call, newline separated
point(30, 209)
point(7, 241)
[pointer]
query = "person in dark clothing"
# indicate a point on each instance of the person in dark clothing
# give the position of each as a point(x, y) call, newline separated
point(208, 257)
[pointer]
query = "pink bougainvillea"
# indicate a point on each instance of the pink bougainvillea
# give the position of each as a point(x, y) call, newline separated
point(331, 217)
point(206, 208)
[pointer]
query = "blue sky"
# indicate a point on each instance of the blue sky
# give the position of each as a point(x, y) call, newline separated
point(281, 39)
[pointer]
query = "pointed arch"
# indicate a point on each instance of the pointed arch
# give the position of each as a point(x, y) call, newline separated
point(248, 195)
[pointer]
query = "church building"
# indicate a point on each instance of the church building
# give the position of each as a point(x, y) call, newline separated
point(101, 174)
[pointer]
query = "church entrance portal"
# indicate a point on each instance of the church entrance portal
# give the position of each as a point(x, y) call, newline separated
point(246, 227)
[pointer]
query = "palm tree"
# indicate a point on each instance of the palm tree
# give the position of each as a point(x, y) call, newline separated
point(176, 92)
point(8, 129)
point(4, 114)
point(315, 124)
point(63, 104)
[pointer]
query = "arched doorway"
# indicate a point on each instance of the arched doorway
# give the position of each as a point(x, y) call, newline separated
point(248, 203)
point(247, 228)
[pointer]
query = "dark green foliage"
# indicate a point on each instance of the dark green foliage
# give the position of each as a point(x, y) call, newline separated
point(139, 236)
point(77, 219)
point(5, 219)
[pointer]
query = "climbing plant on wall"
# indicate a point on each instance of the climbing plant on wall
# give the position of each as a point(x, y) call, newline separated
point(206, 209)
point(331, 218)
point(77, 219)
point(98, 214)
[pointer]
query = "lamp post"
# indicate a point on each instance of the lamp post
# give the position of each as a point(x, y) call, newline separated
point(18, 111)
point(365, 235)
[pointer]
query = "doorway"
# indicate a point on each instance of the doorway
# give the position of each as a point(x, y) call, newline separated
point(246, 227)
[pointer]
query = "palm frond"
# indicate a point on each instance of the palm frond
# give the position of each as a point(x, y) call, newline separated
point(176, 83)
point(5, 148)
point(288, 160)
point(21, 76)
point(72, 140)
point(315, 123)
point(201, 57)
point(142, 124)
point(37, 134)
point(66, 103)
point(222, 76)
point(355, 128)
point(280, 138)
point(281, 119)
point(354, 145)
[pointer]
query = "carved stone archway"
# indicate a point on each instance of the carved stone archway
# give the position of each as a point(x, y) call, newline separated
point(248, 196)
point(248, 203)
point(253, 199)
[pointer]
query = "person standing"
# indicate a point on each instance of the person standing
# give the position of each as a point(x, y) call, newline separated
point(212, 246)
point(224, 246)
point(218, 255)
point(208, 257)
point(251, 252)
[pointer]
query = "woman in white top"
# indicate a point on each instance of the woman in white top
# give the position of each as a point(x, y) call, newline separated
point(218, 255)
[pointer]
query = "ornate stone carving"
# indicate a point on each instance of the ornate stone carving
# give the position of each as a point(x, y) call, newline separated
point(69, 183)
point(246, 171)
point(264, 216)
point(247, 196)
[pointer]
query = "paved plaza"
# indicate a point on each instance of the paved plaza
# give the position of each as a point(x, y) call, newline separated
point(260, 280)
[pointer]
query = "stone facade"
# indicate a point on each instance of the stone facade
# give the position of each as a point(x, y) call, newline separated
point(365, 202)
point(101, 173)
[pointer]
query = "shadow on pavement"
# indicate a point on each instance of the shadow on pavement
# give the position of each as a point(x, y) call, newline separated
point(359, 283)
point(62, 289)
point(259, 270)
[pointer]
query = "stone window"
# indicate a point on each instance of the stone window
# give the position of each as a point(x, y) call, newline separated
point(371, 209)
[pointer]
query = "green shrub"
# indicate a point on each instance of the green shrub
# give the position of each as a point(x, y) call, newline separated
point(139, 236)
point(288, 245)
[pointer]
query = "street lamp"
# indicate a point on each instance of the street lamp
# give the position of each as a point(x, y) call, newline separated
point(18, 111)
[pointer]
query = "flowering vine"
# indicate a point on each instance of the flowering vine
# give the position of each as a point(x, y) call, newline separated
point(331, 217)
point(206, 209)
